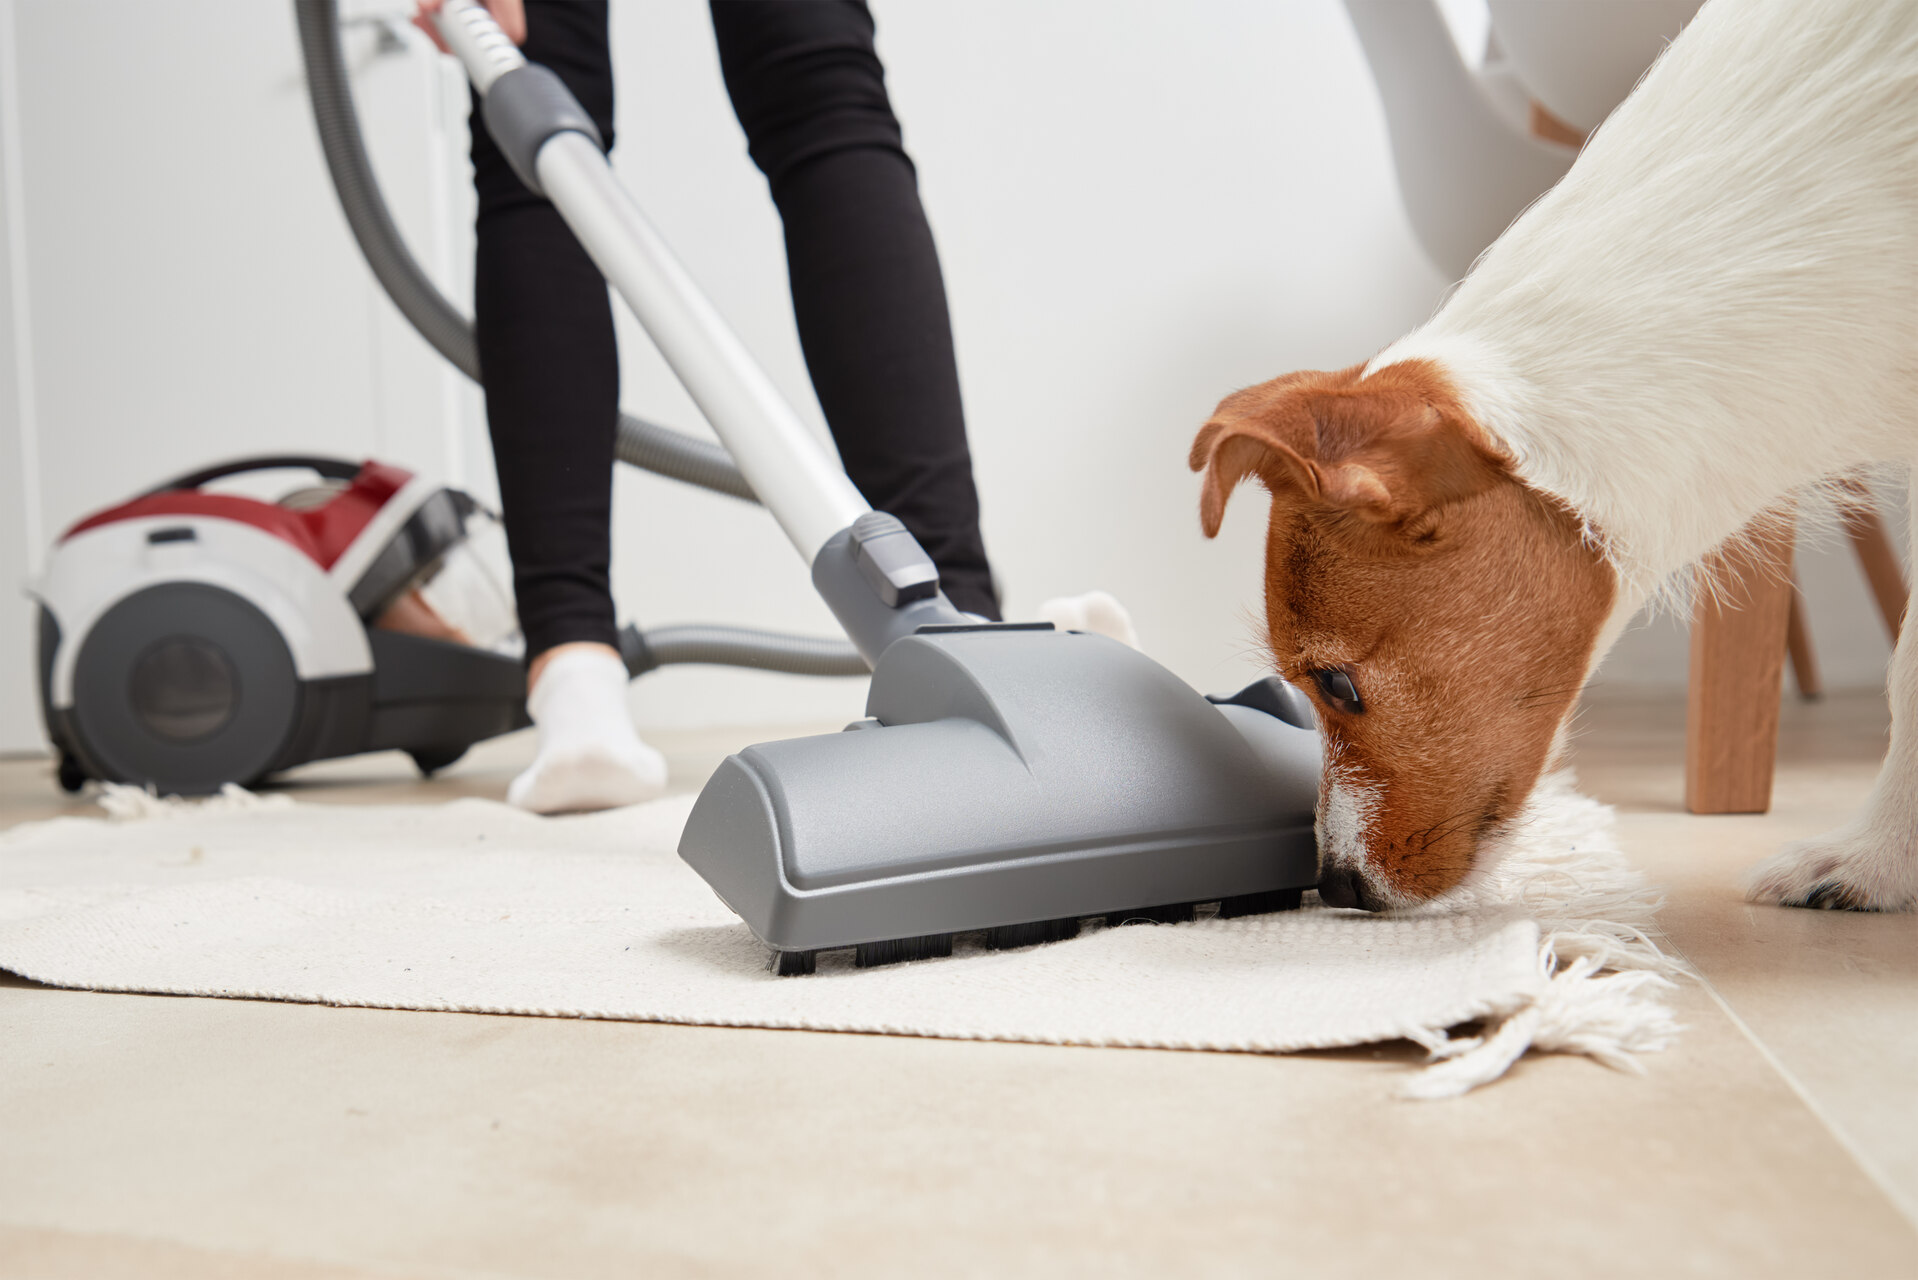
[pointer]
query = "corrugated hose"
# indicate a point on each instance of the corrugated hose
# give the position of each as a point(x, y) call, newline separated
point(640, 443)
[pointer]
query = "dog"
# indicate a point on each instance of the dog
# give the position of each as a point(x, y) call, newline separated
point(1714, 311)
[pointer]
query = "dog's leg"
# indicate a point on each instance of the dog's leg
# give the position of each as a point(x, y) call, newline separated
point(1870, 863)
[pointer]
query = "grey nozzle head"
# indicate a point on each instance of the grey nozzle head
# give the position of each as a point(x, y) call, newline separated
point(1007, 776)
point(880, 584)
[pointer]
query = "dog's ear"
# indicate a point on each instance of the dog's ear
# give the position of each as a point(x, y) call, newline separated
point(1239, 442)
point(1387, 449)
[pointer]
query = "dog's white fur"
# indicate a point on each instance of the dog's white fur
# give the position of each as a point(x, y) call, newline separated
point(1718, 306)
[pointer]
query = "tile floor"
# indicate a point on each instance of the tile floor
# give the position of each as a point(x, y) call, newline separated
point(160, 1137)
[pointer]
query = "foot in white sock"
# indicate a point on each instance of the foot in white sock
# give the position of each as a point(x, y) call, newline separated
point(590, 756)
point(1094, 611)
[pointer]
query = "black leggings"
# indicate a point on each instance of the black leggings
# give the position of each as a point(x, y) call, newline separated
point(867, 293)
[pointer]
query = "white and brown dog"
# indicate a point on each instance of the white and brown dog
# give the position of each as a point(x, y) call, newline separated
point(1715, 309)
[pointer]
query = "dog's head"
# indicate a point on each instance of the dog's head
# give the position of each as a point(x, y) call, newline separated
point(1440, 613)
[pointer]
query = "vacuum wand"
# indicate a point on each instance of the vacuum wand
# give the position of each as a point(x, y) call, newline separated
point(554, 147)
point(552, 144)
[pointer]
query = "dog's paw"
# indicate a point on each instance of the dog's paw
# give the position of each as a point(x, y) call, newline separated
point(1851, 869)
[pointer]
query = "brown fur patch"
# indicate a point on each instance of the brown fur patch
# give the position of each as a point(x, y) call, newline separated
point(1464, 605)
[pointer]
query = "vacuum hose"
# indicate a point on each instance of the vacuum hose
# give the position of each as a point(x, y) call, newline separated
point(644, 651)
point(642, 444)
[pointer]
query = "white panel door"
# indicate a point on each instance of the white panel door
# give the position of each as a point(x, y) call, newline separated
point(19, 517)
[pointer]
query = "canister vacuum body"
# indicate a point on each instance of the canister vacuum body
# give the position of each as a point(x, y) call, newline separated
point(191, 638)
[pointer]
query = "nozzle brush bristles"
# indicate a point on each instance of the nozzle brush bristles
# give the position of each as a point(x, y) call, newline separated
point(1008, 936)
point(789, 963)
point(899, 950)
point(1258, 904)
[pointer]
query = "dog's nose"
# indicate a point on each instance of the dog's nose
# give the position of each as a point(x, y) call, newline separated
point(1341, 887)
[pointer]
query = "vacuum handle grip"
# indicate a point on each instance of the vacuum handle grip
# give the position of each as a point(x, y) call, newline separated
point(476, 40)
point(329, 468)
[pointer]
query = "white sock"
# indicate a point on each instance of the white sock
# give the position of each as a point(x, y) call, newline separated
point(1095, 611)
point(590, 756)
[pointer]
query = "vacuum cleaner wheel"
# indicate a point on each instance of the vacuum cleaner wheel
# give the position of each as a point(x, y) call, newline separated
point(185, 687)
point(430, 760)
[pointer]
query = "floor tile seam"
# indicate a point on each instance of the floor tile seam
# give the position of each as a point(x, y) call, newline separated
point(1900, 1203)
point(370, 1269)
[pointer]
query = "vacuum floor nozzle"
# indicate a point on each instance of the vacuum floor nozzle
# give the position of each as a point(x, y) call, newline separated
point(1012, 782)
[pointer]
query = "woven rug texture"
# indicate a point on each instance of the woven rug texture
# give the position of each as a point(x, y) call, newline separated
point(475, 906)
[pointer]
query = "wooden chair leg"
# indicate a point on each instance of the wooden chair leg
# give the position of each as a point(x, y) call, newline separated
point(1549, 127)
point(1737, 670)
point(1877, 557)
point(1804, 658)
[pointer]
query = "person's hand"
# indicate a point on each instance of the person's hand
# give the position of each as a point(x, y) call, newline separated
point(510, 14)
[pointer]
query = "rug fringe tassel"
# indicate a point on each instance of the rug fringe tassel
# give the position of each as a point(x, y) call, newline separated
point(1602, 971)
point(1609, 1016)
point(124, 802)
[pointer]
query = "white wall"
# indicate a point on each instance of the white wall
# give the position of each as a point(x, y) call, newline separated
point(1140, 208)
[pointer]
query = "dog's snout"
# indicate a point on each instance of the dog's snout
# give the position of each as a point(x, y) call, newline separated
point(1342, 887)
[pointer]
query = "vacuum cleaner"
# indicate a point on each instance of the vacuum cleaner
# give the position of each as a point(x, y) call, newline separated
point(190, 638)
point(1008, 780)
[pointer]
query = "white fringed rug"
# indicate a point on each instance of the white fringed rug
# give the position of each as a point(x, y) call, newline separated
point(475, 906)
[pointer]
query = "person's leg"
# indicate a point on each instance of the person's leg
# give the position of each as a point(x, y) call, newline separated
point(545, 330)
point(867, 291)
point(551, 369)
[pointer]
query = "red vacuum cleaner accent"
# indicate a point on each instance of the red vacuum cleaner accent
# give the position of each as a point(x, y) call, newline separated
point(322, 533)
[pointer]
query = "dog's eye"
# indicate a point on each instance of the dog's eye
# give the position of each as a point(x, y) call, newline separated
point(1335, 685)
